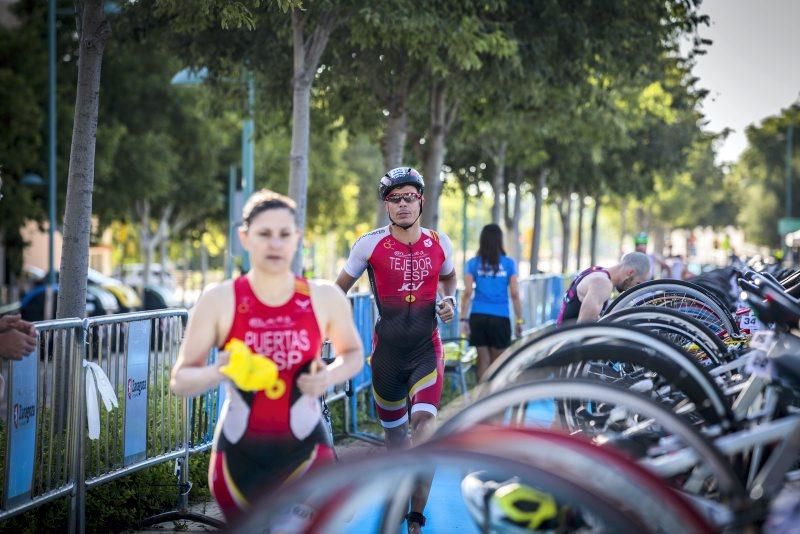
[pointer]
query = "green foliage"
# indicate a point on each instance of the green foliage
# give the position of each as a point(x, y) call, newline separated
point(23, 61)
point(173, 150)
point(703, 195)
point(761, 171)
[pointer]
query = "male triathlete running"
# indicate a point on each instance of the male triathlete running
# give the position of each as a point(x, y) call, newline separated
point(405, 264)
point(587, 296)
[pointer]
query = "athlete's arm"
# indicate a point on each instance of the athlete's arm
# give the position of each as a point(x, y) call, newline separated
point(449, 283)
point(513, 291)
point(336, 322)
point(191, 375)
point(466, 303)
point(345, 281)
point(593, 291)
point(466, 295)
point(356, 264)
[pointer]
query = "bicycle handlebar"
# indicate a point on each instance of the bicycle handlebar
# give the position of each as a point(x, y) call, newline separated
point(769, 299)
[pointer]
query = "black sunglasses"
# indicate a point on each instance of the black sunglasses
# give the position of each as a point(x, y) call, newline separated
point(408, 198)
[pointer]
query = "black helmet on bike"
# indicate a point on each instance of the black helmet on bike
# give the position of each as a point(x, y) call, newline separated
point(399, 177)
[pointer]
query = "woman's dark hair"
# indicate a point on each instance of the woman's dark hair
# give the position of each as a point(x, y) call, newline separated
point(491, 247)
point(264, 200)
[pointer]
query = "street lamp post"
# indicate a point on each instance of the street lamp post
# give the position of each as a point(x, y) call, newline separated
point(248, 131)
point(51, 140)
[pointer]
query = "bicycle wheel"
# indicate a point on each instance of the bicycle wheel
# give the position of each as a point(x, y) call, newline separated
point(680, 295)
point(706, 456)
point(682, 330)
point(635, 347)
point(613, 475)
point(351, 498)
point(647, 372)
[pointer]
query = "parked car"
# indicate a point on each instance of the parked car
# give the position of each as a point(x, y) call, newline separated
point(127, 298)
point(32, 305)
point(131, 274)
point(158, 297)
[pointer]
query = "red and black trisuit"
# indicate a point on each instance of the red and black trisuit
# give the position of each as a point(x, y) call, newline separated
point(407, 359)
point(262, 442)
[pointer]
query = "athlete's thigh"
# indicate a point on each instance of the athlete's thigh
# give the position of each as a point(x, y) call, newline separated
point(425, 380)
point(389, 385)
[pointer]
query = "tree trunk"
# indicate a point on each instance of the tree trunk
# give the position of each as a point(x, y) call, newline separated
point(623, 224)
point(163, 257)
point(95, 31)
point(307, 54)
point(515, 216)
point(434, 156)
point(512, 215)
point(393, 143)
point(498, 181)
point(579, 244)
point(203, 264)
point(4, 296)
point(593, 242)
point(186, 256)
point(536, 237)
point(565, 211)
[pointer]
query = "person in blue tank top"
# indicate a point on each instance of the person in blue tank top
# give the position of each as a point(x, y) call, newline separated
point(485, 318)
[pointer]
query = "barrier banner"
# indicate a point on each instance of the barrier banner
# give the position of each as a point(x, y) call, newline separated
point(364, 318)
point(22, 429)
point(136, 384)
point(556, 295)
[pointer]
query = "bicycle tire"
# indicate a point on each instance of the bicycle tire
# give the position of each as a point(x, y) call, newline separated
point(677, 287)
point(614, 475)
point(708, 455)
point(675, 375)
point(333, 486)
point(689, 327)
point(513, 362)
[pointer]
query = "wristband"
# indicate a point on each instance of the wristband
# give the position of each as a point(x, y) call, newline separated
point(520, 321)
point(464, 319)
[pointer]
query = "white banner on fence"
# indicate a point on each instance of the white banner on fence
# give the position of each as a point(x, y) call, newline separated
point(22, 429)
point(138, 357)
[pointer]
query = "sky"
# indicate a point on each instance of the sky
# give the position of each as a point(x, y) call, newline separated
point(752, 70)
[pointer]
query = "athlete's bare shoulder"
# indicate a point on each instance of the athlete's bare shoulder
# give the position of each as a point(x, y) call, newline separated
point(329, 301)
point(214, 309)
point(218, 293)
point(597, 282)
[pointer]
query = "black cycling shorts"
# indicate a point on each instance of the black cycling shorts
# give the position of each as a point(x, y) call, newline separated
point(489, 331)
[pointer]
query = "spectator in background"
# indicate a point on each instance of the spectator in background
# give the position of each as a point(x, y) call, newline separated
point(17, 337)
point(485, 319)
point(657, 263)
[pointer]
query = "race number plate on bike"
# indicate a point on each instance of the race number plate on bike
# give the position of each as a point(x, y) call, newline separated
point(748, 322)
point(759, 363)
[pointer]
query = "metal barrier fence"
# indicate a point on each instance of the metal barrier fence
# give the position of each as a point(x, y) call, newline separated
point(45, 448)
point(127, 359)
point(39, 430)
